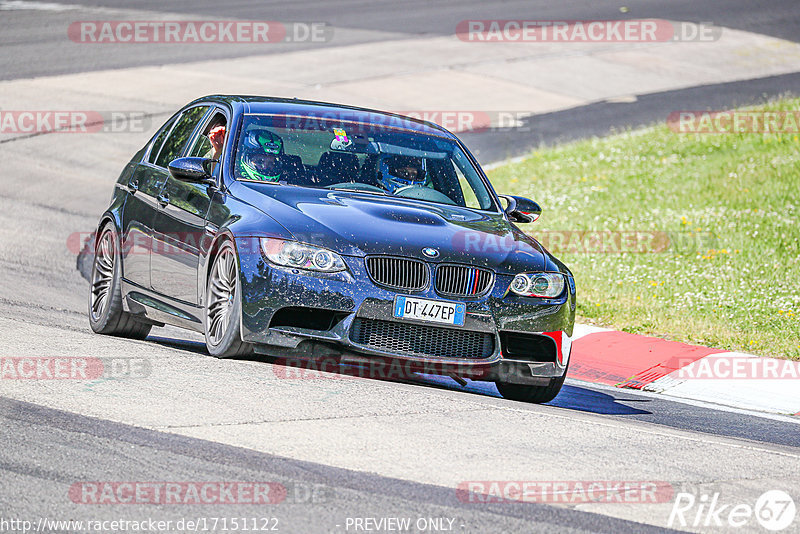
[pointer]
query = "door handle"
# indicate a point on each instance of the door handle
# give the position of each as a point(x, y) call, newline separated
point(163, 199)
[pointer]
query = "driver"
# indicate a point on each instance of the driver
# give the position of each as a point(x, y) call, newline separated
point(401, 171)
point(261, 156)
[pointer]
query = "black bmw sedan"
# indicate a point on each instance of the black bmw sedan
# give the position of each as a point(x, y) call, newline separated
point(299, 229)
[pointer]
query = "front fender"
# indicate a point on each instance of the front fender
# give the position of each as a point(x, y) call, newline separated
point(221, 224)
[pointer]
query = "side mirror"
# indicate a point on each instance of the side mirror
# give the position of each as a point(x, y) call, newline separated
point(193, 170)
point(521, 209)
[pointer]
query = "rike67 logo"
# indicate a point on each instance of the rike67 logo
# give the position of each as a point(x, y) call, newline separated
point(774, 510)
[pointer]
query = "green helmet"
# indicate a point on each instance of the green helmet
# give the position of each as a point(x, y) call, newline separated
point(261, 156)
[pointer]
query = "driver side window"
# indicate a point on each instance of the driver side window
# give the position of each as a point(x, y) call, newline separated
point(213, 133)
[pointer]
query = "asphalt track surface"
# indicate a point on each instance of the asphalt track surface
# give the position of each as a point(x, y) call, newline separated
point(33, 46)
point(51, 441)
point(319, 498)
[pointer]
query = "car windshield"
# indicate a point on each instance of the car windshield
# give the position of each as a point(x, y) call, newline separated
point(349, 155)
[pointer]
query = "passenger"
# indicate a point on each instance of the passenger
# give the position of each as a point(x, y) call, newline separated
point(402, 171)
point(261, 156)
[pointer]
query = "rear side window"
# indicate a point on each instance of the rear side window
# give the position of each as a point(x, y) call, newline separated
point(180, 134)
point(154, 150)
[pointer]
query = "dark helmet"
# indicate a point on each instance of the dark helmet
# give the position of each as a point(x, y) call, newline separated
point(401, 171)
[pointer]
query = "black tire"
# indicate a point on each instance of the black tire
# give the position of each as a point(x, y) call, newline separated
point(535, 394)
point(106, 315)
point(224, 339)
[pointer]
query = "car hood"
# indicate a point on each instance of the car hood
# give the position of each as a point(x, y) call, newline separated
point(359, 224)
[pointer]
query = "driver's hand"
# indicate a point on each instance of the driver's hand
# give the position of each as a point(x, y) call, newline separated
point(217, 138)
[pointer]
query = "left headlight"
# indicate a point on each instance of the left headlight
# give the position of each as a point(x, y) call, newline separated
point(301, 256)
point(548, 285)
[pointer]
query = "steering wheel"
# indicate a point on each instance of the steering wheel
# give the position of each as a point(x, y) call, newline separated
point(420, 192)
point(355, 186)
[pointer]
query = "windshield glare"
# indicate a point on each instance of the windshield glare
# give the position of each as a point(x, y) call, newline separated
point(357, 156)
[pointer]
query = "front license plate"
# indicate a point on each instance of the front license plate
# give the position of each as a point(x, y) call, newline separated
point(434, 311)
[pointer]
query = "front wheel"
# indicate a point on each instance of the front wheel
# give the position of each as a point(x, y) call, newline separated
point(223, 306)
point(535, 394)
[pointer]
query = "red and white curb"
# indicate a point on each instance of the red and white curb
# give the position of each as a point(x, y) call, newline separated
point(684, 371)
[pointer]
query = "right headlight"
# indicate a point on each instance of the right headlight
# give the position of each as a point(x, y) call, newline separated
point(301, 256)
point(547, 285)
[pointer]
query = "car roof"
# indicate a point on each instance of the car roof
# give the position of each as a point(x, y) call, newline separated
point(274, 105)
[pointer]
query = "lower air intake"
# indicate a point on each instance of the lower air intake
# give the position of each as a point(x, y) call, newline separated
point(419, 340)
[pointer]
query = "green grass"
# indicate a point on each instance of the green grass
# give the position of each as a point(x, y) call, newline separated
point(730, 277)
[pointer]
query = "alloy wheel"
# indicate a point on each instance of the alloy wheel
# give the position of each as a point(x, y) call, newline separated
point(103, 275)
point(221, 298)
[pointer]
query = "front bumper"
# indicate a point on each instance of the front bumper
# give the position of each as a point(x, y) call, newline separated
point(265, 289)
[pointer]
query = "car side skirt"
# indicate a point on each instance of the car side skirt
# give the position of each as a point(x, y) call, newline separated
point(157, 308)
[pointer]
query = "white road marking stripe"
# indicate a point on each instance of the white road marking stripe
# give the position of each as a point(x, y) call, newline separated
point(771, 395)
point(688, 401)
point(22, 5)
point(585, 329)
